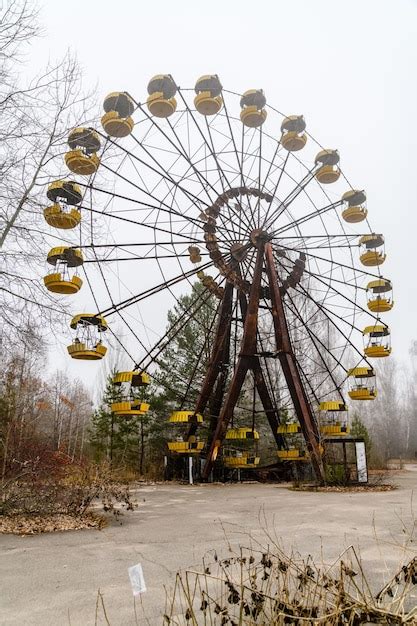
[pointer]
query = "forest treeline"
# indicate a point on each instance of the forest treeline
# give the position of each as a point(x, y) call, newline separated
point(43, 412)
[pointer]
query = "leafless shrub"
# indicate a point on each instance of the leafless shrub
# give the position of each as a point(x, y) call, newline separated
point(269, 587)
point(62, 487)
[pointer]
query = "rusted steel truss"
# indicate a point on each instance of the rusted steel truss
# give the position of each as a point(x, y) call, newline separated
point(223, 396)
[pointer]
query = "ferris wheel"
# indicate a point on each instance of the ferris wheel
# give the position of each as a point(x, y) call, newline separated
point(207, 184)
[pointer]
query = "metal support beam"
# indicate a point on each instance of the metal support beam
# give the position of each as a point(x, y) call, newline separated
point(245, 361)
point(261, 387)
point(220, 349)
point(289, 367)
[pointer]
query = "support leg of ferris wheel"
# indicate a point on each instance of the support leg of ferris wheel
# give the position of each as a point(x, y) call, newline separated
point(218, 372)
point(216, 400)
point(220, 351)
point(290, 369)
point(244, 363)
point(261, 387)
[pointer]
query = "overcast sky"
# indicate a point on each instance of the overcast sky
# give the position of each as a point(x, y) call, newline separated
point(348, 66)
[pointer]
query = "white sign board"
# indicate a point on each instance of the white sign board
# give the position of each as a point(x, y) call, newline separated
point(361, 462)
point(137, 579)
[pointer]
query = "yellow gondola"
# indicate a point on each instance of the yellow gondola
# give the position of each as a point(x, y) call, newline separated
point(186, 447)
point(377, 341)
point(129, 408)
point(117, 121)
point(242, 433)
point(355, 211)
point(161, 90)
point(240, 449)
point(82, 158)
point(370, 256)
point(335, 429)
point(293, 136)
point(334, 421)
point(210, 284)
point(185, 417)
point(380, 295)
point(135, 378)
point(288, 429)
point(252, 104)
point(68, 192)
point(60, 280)
point(362, 383)
point(193, 445)
point(194, 252)
point(87, 344)
point(333, 406)
point(128, 404)
point(208, 100)
point(292, 454)
point(241, 461)
point(329, 170)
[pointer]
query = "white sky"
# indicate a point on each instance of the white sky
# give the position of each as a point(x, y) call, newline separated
point(348, 66)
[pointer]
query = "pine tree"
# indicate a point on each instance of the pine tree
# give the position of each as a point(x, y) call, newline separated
point(115, 437)
point(358, 429)
point(183, 363)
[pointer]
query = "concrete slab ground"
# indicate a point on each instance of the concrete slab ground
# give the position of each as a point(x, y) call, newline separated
point(53, 580)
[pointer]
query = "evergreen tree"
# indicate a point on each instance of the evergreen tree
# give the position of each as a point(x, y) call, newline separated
point(116, 437)
point(358, 429)
point(183, 363)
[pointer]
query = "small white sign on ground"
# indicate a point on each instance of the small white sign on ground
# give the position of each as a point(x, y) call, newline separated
point(137, 579)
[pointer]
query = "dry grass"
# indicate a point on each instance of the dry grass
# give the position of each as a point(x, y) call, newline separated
point(35, 524)
point(271, 588)
point(345, 488)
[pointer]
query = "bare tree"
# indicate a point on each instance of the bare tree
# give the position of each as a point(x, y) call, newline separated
point(35, 118)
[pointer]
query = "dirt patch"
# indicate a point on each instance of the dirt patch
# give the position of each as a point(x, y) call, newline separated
point(341, 488)
point(35, 524)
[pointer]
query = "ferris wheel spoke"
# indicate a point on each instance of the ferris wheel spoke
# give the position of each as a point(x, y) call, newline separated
point(270, 171)
point(175, 328)
point(307, 382)
point(198, 359)
point(159, 172)
point(111, 331)
point(142, 258)
point(131, 245)
point(153, 290)
point(276, 188)
point(328, 314)
point(324, 242)
point(355, 305)
point(169, 208)
point(327, 281)
point(335, 262)
point(143, 205)
point(325, 310)
point(235, 148)
point(291, 197)
point(210, 145)
point(204, 138)
point(244, 176)
point(308, 217)
point(179, 150)
point(188, 236)
point(222, 174)
point(120, 315)
point(316, 340)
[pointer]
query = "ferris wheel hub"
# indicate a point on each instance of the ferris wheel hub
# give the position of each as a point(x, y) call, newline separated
point(239, 251)
point(259, 237)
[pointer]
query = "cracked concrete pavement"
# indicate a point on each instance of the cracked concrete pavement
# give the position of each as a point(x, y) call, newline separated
point(53, 580)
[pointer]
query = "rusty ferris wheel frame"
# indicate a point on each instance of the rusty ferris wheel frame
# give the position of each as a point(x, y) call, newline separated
point(274, 247)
